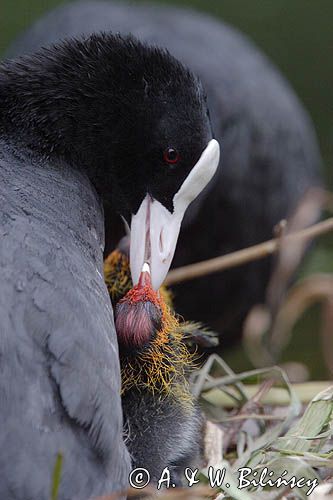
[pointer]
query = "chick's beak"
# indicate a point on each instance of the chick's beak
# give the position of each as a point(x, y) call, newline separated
point(155, 230)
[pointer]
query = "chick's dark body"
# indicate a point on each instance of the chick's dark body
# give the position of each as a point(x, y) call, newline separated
point(75, 121)
point(162, 432)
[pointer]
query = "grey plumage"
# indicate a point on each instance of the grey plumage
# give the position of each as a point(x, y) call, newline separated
point(269, 150)
point(59, 366)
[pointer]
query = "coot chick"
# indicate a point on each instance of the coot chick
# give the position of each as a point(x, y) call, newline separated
point(162, 421)
point(270, 153)
point(91, 121)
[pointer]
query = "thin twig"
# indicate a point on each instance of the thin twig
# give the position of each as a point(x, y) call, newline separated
point(244, 256)
point(249, 416)
point(277, 396)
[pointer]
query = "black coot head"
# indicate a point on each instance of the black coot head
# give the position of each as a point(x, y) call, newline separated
point(162, 128)
point(130, 116)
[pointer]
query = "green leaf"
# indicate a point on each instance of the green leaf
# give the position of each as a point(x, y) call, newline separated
point(56, 477)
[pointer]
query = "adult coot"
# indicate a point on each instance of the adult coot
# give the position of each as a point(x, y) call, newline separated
point(93, 121)
point(270, 153)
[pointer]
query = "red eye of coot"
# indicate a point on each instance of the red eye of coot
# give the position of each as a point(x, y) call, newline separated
point(171, 156)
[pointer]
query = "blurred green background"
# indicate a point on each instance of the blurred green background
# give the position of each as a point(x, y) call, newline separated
point(298, 36)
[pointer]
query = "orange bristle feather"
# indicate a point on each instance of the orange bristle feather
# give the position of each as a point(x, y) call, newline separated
point(117, 275)
point(163, 364)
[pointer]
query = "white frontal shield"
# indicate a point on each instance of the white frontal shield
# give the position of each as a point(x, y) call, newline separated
point(154, 230)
